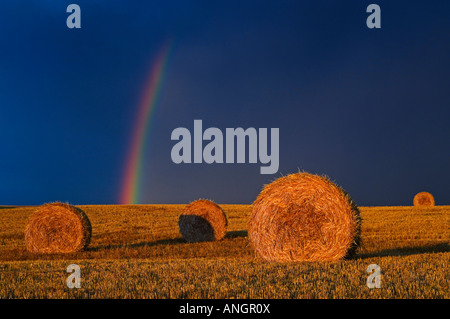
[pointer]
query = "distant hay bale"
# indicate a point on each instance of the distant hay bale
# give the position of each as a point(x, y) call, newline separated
point(423, 199)
point(304, 217)
point(57, 228)
point(202, 220)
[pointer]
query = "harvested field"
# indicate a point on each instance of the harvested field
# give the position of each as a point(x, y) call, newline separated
point(137, 251)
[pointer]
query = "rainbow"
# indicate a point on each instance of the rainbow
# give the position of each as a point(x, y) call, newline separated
point(133, 169)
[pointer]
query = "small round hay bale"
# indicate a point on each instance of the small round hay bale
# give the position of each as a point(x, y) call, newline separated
point(423, 199)
point(203, 220)
point(304, 217)
point(57, 228)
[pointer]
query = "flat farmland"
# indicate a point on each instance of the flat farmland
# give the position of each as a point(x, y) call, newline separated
point(136, 251)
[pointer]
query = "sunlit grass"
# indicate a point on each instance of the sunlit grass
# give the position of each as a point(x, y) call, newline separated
point(137, 252)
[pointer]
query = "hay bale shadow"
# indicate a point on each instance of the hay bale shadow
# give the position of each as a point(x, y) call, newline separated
point(163, 242)
point(237, 234)
point(406, 251)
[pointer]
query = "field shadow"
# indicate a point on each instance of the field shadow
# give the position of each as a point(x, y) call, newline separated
point(406, 251)
point(173, 241)
point(162, 242)
point(236, 234)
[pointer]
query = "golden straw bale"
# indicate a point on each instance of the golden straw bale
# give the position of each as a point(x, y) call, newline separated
point(57, 228)
point(202, 220)
point(304, 217)
point(423, 199)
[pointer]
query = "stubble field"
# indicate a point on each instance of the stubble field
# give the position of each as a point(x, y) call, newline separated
point(137, 252)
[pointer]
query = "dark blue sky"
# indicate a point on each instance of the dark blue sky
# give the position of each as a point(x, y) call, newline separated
point(369, 108)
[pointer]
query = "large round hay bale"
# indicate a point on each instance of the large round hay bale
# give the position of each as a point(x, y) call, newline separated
point(423, 199)
point(304, 217)
point(202, 220)
point(57, 228)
